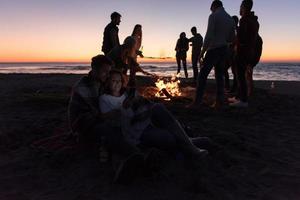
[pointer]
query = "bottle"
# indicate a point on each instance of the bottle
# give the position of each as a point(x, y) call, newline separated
point(272, 85)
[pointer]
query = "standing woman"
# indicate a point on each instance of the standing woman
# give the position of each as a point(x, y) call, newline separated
point(182, 46)
point(137, 34)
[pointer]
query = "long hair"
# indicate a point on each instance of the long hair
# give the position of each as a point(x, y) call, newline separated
point(107, 83)
point(135, 29)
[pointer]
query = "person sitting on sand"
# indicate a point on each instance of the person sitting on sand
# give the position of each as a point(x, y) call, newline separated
point(90, 124)
point(145, 123)
point(182, 46)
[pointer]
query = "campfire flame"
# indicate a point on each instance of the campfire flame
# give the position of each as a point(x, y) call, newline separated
point(171, 87)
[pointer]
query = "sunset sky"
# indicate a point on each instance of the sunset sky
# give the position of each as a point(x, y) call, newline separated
point(71, 30)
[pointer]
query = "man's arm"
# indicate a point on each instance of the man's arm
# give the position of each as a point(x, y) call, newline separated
point(114, 37)
point(209, 36)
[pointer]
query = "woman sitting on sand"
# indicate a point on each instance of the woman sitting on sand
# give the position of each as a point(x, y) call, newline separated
point(145, 123)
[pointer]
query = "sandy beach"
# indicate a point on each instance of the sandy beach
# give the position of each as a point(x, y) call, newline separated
point(260, 157)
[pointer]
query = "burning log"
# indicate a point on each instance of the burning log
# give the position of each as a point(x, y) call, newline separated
point(168, 89)
point(166, 93)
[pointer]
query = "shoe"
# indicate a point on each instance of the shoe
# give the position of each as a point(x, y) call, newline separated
point(217, 105)
point(232, 99)
point(195, 161)
point(129, 169)
point(239, 104)
point(195, 105)
point(206, 143)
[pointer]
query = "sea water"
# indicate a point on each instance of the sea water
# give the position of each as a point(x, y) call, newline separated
point(263, 71)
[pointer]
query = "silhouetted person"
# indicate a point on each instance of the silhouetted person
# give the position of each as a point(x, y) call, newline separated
point(254, 62)
point(231, 61)
point(91, 124)
point(137, 34)
point(110, 35)
point(220, 32)
point(182, 46)
point(246, 41)
point(123, 54)
point(124, 61)
point(197, 42)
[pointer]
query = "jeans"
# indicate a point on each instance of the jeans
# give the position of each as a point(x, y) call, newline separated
point(179, 59)
point(213, 58)
point(195, 61)
point(241, 76)
point(163, 132)
point(159, 138)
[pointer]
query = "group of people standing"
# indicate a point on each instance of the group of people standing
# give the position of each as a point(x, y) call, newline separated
point(182, 46)
point(227, 44)
point(106, 109)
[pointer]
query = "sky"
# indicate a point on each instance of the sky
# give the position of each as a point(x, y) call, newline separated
point(72, 30)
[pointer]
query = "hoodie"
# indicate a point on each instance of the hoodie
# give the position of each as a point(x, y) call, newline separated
point(247, 33)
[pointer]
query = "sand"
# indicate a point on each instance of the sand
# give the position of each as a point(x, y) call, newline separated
point(260, 160)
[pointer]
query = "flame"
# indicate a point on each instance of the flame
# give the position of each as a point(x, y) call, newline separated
point(171, 86)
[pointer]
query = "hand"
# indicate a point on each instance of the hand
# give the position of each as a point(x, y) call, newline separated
point(127, 102)
point(140, 53)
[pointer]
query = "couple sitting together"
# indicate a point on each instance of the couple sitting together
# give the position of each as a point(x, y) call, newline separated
point(101, 110)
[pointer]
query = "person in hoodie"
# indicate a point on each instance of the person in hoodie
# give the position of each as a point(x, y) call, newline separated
point(247, 35)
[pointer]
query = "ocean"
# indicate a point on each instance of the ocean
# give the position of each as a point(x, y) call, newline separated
point(263, 71)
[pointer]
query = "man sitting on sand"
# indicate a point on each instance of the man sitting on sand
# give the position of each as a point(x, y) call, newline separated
point(89, 123)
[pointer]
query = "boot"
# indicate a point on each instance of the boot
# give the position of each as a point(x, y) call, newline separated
point(184, 142)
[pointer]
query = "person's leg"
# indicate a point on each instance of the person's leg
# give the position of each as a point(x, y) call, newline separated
point(162, 118)
point(184, 67)
point(178, 64)
point(159, 138)
point(234, 87)
point(249, 76)
point(241, 68)
point(195, 59)
point(219, 70)
point(226, 75)
point(113, 139)
point(208, 64)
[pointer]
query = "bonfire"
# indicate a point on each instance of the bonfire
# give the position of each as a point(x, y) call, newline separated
point(168, 88)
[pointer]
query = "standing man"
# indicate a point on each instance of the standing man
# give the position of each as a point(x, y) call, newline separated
point(220, 32)
point(197, 42)
point(111, 31)
point(247, 35)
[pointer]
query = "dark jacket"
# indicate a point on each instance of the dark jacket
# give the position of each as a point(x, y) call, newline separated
point(197, 42)
point(83, 107)
point(182, 46)
point(118, 58)
point(110, 38)
point(247, 34)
